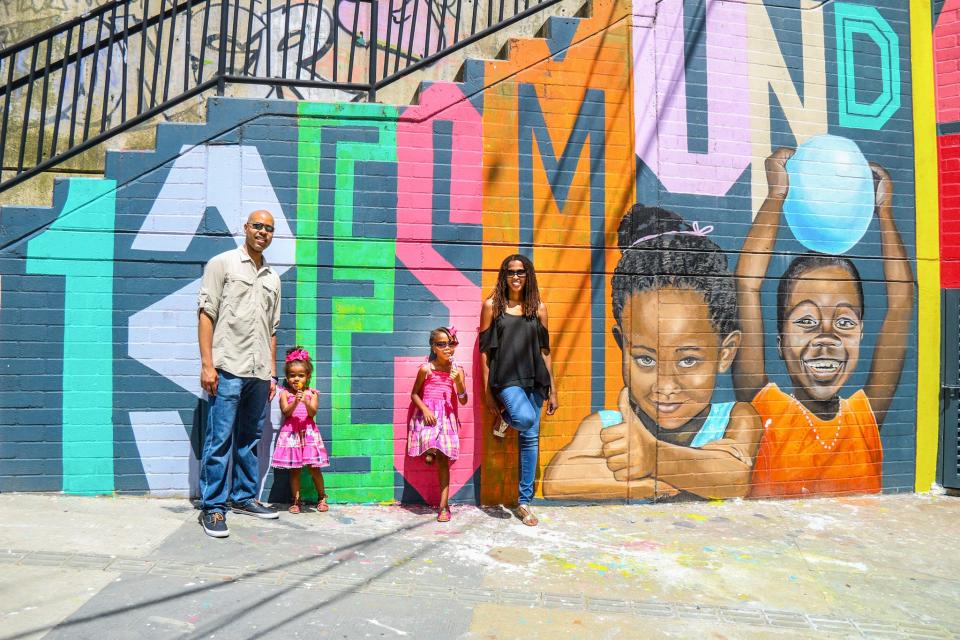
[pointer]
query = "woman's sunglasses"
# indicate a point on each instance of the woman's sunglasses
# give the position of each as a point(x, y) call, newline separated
point(443, 344)
point(516, 273)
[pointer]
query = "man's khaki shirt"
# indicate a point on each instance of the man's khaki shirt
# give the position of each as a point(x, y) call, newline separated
point(244, 303)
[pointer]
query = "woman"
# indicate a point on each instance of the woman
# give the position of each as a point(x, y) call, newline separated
point(517, 371)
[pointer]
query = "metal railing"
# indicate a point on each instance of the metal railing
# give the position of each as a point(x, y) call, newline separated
point(75, 85)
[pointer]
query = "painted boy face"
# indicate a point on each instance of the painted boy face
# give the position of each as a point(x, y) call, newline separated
point(820, 337)
point(672, 354)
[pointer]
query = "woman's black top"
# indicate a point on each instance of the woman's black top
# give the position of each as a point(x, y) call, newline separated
point(513, 345)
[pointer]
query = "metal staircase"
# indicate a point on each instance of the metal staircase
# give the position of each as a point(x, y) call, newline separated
point(74, 86)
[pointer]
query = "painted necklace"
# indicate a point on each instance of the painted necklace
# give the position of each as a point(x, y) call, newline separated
point(813, 428)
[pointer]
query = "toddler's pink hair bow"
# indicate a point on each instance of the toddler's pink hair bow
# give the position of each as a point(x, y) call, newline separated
point(299, 354)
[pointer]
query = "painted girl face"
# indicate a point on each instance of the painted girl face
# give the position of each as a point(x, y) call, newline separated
point(297, 375)
point(820, 338)
point(672, 354)
point(516, 276)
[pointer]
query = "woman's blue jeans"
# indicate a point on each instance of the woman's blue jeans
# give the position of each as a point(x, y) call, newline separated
point(235, 418)
point(523, 414)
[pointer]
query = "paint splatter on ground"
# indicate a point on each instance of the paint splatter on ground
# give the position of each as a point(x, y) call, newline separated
point(742, 566)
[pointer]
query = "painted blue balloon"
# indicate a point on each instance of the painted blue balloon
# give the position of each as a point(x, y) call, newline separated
point(831, 199)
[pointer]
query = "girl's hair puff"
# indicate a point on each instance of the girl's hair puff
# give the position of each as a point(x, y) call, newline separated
point(305, 362)
point(531, 291)
point(660, 250)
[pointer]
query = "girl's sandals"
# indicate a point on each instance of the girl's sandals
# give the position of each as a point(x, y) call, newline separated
point(322, 505)
point(444, 515)
point(526, 516)
point(295, 507)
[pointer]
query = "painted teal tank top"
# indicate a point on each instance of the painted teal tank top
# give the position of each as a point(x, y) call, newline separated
point(712, 430)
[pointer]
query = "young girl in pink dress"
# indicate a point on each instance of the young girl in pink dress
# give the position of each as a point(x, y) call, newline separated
point(434, 427)
point(299, 443)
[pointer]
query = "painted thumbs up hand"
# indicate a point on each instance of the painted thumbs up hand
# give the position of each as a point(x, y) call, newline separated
point(630, 450)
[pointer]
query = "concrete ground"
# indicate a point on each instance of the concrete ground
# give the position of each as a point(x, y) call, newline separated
point(104, 568)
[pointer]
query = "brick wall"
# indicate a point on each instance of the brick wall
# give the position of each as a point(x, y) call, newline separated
point(946, 49)
point(394, 220)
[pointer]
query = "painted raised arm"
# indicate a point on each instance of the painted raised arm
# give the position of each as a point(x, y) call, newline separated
point(749, 372)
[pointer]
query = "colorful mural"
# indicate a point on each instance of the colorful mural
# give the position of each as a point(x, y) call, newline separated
point(718, 196)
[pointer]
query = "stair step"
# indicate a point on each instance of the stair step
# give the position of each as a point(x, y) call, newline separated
point(557, 32)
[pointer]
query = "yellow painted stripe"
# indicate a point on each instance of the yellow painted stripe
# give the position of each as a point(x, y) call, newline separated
point(928, 244)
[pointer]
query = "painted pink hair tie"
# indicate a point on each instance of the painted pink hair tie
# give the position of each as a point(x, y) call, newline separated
point(299, 354)
point(695, 230)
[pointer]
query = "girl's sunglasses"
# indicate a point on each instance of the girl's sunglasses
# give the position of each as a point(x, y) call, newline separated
point(443, 344)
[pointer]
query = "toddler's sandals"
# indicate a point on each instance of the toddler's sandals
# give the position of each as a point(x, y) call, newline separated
point(322, 505)
point(444, 515)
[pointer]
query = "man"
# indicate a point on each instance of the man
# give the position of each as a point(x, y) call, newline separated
point(239, 311)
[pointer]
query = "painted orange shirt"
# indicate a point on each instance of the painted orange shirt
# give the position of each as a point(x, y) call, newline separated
point(792, 462)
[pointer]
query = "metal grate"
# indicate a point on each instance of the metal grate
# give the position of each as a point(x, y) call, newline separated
point(950, 390)
point(71, 87)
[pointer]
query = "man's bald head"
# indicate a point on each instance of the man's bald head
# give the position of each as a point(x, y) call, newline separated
point(258, 231)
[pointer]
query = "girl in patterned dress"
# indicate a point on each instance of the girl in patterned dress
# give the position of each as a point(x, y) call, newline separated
point(299, 443)
point(434, 427)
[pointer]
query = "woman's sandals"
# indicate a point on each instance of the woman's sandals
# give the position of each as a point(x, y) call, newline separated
point(444, 515)
point(500, 430)
point(322, 505)
point(526, 516)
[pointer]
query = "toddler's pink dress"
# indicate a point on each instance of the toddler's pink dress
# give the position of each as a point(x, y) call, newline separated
point(299, 443)
point(440, 396)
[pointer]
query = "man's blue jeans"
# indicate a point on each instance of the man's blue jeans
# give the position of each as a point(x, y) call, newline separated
point(235, 418)
point(523, 414)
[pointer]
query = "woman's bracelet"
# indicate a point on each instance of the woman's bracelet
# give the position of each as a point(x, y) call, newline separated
point(462, 396)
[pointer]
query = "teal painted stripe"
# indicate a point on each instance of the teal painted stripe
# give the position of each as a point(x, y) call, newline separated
point(80, 246)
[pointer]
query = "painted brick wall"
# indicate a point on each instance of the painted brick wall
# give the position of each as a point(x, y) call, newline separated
point(393, 220)
point(949, 152)
point(946, 49)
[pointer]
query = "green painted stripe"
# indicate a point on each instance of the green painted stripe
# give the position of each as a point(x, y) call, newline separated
point(355, 258)
point(308, 187)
